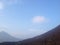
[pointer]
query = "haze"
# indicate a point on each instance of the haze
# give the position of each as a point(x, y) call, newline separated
point(28, 18)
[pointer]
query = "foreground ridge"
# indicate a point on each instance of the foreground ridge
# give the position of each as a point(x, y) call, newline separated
point(51, 37)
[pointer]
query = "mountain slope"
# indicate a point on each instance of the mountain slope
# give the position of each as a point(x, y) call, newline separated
point(52, 37)
point(5, 37)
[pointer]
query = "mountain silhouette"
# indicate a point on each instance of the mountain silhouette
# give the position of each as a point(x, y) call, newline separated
point(51, 37)
point(5, 37)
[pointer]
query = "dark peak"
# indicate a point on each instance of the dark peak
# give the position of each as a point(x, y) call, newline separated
point(58, 26)
point(56, 29)
point(2, 32)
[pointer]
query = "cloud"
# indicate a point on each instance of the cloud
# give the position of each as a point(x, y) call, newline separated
point(12, 1)
point(1, 6)
point(4, 3)
point(7, 2)
point(38, 19)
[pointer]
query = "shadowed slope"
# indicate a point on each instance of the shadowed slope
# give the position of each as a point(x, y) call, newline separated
point(52, 37)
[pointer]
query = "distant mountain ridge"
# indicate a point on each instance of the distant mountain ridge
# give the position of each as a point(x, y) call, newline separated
point(5, 37)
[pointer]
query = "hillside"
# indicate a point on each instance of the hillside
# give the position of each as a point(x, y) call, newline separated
point(51, 37)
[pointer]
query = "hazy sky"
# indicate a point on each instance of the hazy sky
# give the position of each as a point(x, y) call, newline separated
point(28, 18)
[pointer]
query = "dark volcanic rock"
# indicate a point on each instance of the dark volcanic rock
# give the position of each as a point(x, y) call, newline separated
point(51, 37)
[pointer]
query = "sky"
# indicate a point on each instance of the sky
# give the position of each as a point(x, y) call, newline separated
point(28, 18)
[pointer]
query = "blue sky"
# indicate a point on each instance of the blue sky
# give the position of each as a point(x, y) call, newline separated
point(28, 18)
